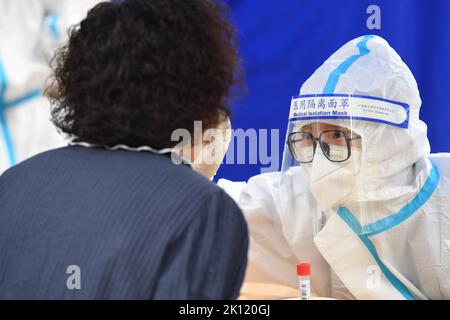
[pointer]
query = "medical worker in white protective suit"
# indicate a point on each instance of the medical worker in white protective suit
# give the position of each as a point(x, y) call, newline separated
point(30, 30)
point(359, 196)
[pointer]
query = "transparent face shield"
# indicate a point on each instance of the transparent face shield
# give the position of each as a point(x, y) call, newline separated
point(327, 141)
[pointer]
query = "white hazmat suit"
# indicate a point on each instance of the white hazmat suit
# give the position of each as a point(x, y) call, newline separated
point(374, 226)
point(30, 30)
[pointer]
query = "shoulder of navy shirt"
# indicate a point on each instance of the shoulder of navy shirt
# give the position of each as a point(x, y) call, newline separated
point(137, 225)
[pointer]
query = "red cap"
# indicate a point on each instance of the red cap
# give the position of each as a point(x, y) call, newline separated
point(303, 269)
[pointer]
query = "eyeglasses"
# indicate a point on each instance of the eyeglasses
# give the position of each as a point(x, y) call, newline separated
point(335, 144)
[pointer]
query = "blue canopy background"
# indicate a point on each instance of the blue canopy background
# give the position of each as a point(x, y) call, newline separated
point(282, 42)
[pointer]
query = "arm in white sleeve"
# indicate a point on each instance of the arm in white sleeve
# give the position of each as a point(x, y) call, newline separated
point(271, 259)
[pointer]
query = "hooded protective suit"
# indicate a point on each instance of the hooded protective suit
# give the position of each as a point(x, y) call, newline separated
point(375, 223)
point(29, 32)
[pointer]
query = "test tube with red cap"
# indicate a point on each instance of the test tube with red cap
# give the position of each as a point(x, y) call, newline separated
point(303, 274)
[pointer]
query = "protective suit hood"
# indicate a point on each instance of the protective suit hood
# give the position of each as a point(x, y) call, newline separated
point(366, 71)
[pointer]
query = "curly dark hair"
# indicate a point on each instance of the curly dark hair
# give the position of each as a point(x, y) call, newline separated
point(135, 70)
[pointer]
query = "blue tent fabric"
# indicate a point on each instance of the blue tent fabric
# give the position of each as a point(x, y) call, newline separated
point(283, 42)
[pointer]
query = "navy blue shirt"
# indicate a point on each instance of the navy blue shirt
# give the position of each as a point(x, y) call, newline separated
point(88, 223)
